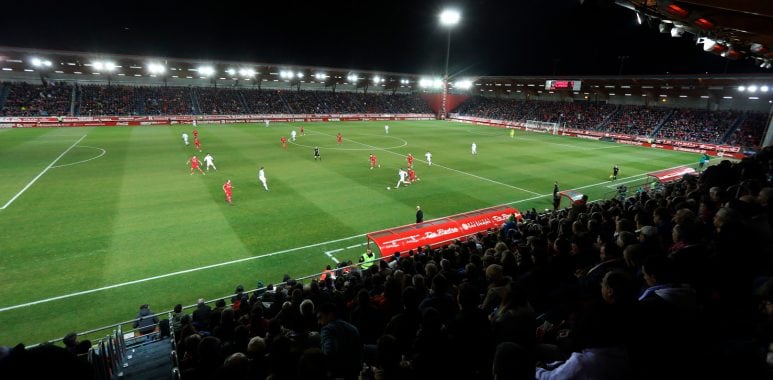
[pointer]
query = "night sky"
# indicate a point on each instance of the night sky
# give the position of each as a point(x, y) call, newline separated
point(516, 37)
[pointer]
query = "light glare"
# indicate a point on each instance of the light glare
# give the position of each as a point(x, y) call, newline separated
point(450, 17)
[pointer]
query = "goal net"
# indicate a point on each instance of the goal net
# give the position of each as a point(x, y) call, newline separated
point(541, 126)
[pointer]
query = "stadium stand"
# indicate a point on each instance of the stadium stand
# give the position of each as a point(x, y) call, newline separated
point(24, 99)
point(637, 120)
point(691, 125)
point(698, 125)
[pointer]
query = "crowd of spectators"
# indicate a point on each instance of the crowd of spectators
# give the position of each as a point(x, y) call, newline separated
point(166, 100)
point(636, 120)
point(698, 125)
point(305, 102)
point(264, 102)
point(220, 101)
point(93, 100)
point(96, 100)
point(55, 99)
point(692, 125)
point(24, 99)
point(750, 131)
point(578, 115)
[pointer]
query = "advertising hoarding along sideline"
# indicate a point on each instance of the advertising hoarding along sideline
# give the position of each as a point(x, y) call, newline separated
point(439, 231)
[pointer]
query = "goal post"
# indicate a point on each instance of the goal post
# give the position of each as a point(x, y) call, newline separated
point(541, 127)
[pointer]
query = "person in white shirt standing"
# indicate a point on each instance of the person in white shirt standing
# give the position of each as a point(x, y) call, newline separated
point(210, 161)
point(386, 129)
point(402, 174)
point(266, 123)
point(262, 177)
point(474, 149)
point(428, 156)
point(185, 138)
point(292, 135)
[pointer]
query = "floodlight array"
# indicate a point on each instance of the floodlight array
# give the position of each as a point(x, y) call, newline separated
point(156, 68)
point(752, 88)
point(37, 62)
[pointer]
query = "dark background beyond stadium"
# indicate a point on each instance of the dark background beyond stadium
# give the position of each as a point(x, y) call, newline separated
point(524, 37)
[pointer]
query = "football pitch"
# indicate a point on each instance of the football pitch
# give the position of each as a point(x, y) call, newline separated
point(97, 221)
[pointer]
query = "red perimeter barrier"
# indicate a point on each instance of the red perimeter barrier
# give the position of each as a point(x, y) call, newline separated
point(438, 231)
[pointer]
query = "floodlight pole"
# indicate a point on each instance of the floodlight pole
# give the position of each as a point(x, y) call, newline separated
point(445, 78)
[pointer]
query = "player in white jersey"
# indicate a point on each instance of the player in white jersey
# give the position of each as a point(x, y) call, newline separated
point(266, 123)
point(292, 135)
point(210, 161)
point(403, 175)
point(185, 138)
point(474, 149)
point(428, 156)
point(262, 177)
point(386, 129)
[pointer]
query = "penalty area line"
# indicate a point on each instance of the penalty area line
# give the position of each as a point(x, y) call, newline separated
point(41, 174)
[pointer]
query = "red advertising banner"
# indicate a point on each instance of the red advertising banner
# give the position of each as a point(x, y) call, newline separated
point(438, 231)
point(670, 175)
point(83, 121)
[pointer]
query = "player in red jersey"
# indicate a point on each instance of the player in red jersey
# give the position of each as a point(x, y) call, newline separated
point(284, 142)
point(340, 138)
point(412, 175)
point(197, 143)
point(373, 161)
point(195, 165)
point(302, 134)
point(410, 160)
point(195, 131)
point(228, 189)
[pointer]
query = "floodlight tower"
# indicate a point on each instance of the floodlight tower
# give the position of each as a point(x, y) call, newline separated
point(448, 18)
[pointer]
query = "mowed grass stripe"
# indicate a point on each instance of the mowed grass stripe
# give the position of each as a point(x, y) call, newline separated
point(180, 208)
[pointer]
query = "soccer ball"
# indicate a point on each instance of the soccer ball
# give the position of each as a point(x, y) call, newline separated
point(389, 188)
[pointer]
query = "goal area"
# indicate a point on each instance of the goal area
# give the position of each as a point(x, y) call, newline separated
point(541, 126)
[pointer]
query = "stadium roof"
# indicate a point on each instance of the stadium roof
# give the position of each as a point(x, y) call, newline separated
point(17, 64)
point(710, 86)
point(66, 64)
point(734, 29)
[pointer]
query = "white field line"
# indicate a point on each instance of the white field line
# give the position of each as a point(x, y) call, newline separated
point(331, 252)
point(41, 174)
point(83, 161)
point(444, 167)
point(122, 284)
point(591, 185)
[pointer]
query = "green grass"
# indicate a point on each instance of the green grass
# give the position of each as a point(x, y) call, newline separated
point(96, 236)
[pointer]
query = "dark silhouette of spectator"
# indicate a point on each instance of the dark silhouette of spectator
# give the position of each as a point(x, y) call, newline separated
point(201, 316)
point(340, 342)
point(146, 321)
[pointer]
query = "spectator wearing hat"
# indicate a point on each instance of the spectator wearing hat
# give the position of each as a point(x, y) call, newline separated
point(650, 240)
